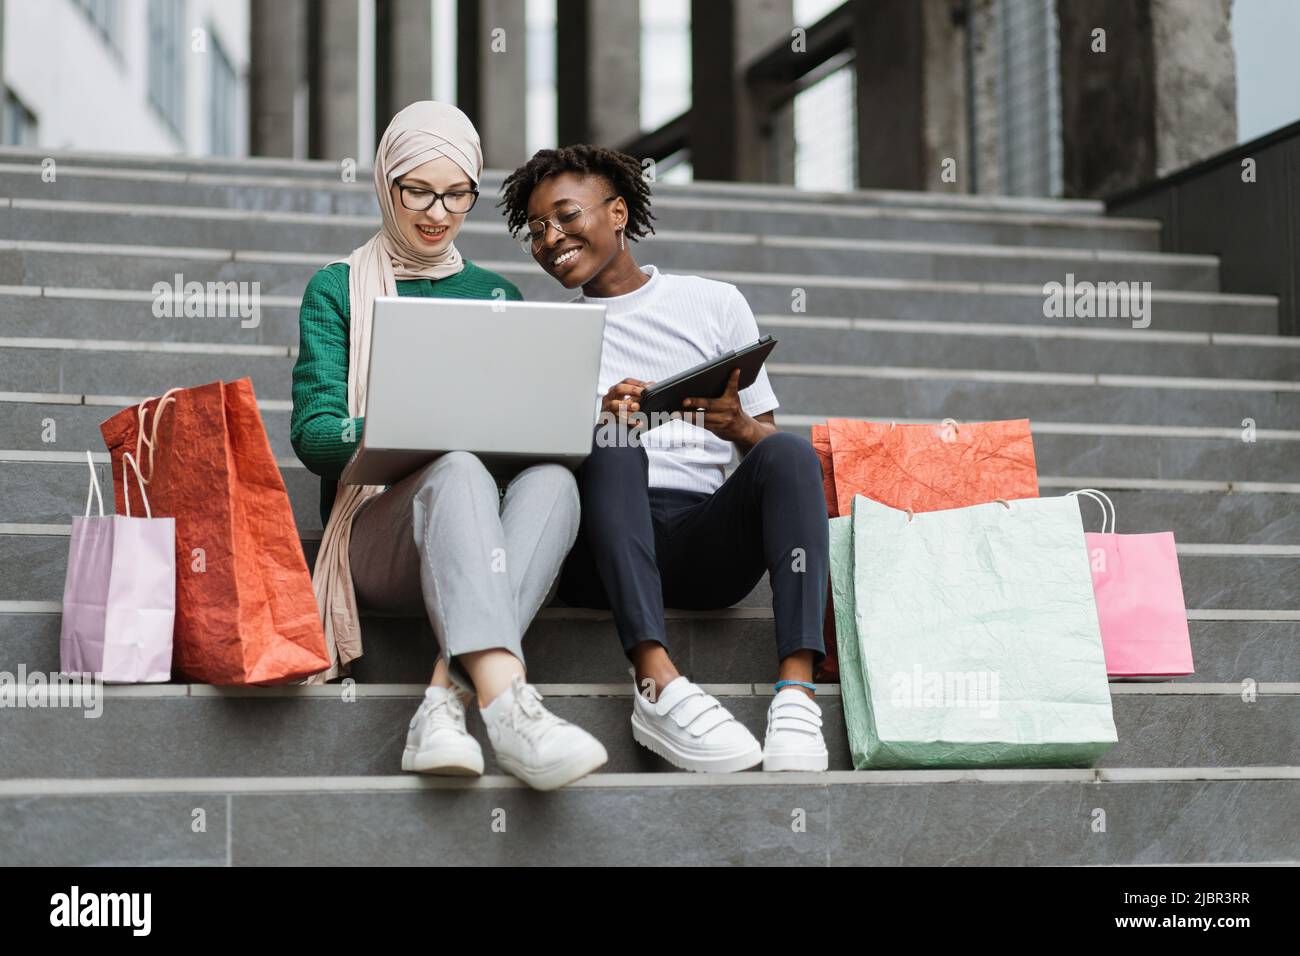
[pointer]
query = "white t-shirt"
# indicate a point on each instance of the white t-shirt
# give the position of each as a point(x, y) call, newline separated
point(669, 324)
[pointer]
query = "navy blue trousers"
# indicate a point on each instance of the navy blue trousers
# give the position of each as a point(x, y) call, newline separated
point(641, 548)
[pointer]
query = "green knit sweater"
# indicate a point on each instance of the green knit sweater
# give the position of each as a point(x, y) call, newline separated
point(320, 376)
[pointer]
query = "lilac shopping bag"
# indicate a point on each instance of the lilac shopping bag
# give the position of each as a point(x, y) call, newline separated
point(119, 597)
point(1139, 596)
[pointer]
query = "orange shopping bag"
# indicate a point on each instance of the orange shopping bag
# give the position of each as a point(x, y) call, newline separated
point(931, 467)
point(245, 610)
point(921, 467)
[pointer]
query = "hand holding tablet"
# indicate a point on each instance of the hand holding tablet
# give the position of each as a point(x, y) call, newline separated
point(706, 380)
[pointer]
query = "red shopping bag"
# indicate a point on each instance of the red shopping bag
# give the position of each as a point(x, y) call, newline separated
point(922, 468)
point(821, 442)
point(245, 610)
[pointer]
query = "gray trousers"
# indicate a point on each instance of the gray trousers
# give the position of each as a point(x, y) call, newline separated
point(445, 542)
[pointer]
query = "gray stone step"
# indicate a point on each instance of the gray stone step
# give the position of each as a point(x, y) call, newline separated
point(1044, 347)
point(718, 647)
point(937, 818)
point(1208, 455)
point(246, 183)
point(163, 732)
point(50, 217)
point(51, 492)
point(857, 391)
point(1263, 576)
point(677, 250)
point(767, 294)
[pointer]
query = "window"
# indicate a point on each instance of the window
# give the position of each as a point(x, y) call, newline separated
point(104, 15)
point(19, 122)
point(166, 72)
point(222, 93)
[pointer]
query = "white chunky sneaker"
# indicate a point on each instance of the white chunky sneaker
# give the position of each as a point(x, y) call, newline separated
point(539, 748)
point(794, 733)
point(691, 730)
point(438, 741)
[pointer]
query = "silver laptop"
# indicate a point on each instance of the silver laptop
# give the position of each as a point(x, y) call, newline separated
point(513, 382)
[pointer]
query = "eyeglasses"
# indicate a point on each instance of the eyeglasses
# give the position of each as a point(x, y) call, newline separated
point(568, 219)
point(418, 198)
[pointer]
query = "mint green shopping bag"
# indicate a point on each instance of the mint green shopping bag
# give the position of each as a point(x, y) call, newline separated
point(969, 637)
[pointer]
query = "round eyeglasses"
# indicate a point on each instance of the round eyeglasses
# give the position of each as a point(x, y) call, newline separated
point(568, 219)
point(419, 198)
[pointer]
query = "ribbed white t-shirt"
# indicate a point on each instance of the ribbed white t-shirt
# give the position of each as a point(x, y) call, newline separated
point(669, 324)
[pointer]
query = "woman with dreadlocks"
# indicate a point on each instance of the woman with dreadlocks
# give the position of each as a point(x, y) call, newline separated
point(661, 523)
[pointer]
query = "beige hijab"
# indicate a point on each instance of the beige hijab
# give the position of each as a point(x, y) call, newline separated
point(420, 133)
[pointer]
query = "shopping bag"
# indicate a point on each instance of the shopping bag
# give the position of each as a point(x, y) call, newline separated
point(119, 595)
point(843, 641)
point(245, 610)
point(930, 467)
point(821, 442)
point(922, 467)
point(977, 636)
point(1139, 594)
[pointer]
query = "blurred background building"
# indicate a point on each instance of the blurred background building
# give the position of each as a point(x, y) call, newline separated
point(1015, 97)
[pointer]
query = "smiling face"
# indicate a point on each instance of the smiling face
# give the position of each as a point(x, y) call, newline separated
point(574, 260)
point(434, 229)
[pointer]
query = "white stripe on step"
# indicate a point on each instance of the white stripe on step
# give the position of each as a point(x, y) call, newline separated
point(110, 786)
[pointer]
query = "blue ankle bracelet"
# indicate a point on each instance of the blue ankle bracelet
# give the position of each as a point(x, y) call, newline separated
point(795, 683)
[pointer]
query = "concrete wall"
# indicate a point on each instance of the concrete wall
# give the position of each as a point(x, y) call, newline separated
point(943, 94)
point(1162, 95)
point(1195, 81)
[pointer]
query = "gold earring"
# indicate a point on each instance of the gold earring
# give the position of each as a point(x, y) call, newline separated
point(622, 243)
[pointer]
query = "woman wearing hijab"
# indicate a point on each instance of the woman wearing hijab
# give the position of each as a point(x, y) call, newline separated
point(446, 541)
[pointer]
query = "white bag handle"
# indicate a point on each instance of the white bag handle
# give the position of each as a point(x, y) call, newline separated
point(151, 441)
point(94, 487)
point(1102, 499)
point(126, 485)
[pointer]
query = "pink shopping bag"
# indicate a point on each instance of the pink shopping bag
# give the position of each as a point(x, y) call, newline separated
point(1139, 600)
point(119, 596)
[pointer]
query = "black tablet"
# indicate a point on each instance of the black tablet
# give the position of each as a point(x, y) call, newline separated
point(708, 379)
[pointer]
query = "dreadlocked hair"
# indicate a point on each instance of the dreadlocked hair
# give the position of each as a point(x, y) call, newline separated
point(622, 171)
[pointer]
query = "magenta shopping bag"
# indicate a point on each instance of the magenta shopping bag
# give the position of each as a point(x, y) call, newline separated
point(1139, 600)
point(119, 596)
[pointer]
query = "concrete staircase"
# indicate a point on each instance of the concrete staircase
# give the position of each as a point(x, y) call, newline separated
point(918, 307)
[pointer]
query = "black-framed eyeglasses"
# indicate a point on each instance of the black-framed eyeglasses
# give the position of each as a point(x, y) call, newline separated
point(419, 198)
point(568, 219)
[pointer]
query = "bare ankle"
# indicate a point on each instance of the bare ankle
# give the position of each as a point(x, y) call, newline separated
point(654, 668)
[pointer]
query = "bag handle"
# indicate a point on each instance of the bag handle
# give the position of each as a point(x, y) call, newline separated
point(93, 489)
point(152, 440)
point(126, 485)
point(1102, 499)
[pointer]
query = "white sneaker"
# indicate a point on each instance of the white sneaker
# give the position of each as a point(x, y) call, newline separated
point(691, 730)
point(794, 733)
point(438, 741)
point(539, 748)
